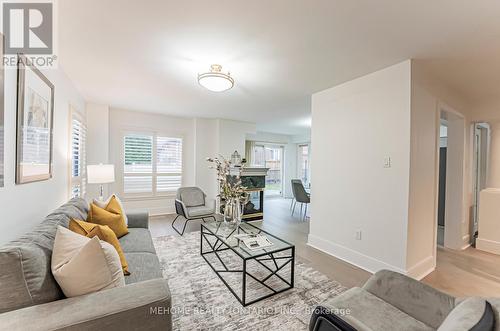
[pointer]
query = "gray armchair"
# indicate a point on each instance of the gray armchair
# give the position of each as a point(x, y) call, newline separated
point(191, 204)
point(392, 301)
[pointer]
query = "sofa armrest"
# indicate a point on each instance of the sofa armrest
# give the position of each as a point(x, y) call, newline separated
point(144, 305)
point(416, 299)
point(138, 219)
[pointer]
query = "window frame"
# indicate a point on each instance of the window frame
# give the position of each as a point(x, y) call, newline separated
point(82, 179)
point(154, 194)
point(299, 162)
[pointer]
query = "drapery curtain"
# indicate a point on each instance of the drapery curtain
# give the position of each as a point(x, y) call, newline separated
point(249, 147)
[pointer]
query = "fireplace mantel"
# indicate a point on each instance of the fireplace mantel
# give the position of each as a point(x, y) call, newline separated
point(254, 171)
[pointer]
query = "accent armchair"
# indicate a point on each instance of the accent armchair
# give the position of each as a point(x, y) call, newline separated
point(191, 204)
point(390, 301)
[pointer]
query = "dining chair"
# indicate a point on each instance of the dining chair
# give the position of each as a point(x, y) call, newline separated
point(301, 196)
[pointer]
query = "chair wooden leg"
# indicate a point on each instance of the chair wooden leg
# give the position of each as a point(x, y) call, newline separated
point(293, 209)
point(305, 212)
point(291, 205)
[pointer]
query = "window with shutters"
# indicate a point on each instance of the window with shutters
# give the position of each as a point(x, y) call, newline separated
point(304, 163)
point(78, 158)
point(152, 164)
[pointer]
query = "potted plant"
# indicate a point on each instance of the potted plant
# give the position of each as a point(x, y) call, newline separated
point(232, 195)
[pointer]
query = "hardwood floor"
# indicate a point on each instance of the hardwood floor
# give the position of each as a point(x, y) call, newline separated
point(460, 273)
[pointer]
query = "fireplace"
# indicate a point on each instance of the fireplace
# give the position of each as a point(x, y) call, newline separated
point(254, 179)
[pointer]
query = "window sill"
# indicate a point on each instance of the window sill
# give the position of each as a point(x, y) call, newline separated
point(148, 197)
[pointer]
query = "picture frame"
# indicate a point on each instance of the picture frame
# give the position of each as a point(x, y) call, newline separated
point(2, 134)
point(35, 113)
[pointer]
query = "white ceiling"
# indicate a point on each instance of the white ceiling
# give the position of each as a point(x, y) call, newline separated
point(145, 55)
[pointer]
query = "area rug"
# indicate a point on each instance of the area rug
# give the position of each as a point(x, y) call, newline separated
point(202, 302)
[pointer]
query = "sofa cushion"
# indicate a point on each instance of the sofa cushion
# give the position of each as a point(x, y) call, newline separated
point(138, 240)
point(142, 266)
point(76, 208)
point(471, 314)
point(25, 277)
point(103, 232)
point(84, 265)
point(108, 217)
point(25, 262)
point(104, 203)
point(367, 309)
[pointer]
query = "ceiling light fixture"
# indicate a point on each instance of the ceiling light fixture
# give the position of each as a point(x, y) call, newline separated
point(216, 80)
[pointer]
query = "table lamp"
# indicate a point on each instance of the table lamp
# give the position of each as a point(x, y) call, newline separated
point(101, 174)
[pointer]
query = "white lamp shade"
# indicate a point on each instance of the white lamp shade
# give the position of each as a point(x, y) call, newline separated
point(101, 174)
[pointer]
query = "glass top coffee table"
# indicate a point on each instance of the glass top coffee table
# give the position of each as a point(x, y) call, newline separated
point(251, 275)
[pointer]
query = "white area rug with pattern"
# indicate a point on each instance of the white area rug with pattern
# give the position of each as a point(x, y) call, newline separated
point(201, 301)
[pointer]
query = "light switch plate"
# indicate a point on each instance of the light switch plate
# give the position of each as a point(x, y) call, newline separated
point(387, 162)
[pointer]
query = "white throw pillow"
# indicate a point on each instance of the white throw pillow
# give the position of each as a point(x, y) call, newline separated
point(103, 204)
point(82, 265)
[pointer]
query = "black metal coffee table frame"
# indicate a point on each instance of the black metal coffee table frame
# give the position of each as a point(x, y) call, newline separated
point(219, 246)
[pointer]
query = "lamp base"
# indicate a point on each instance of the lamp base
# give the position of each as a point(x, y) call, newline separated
point(101, 192)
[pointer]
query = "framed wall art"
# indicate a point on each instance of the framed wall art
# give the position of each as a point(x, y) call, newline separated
point(2, 135)
point(35, 111)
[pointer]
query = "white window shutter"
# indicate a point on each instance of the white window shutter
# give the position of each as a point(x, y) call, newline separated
point(152, 164)
point(78, 156)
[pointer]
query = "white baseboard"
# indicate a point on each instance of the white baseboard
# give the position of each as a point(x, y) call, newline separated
point(422, 268)
point(351, 256)
point(486, 245)
point(466, 241)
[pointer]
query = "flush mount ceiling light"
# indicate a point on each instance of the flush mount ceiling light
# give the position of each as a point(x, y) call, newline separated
point(216, 80)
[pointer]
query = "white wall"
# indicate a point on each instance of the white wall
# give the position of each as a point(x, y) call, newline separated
point(24, 206)
point(429, 97)
point(232, 136)
point(206, 145)
point(390, 113)
point(98, 139)
point(422, 213)
point(355, 126)
point(202, 138)
point(494, 155)
point(488, 229)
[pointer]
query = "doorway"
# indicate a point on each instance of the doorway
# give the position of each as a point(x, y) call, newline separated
point(451, 230)
point(481, 156)
point(443, 146)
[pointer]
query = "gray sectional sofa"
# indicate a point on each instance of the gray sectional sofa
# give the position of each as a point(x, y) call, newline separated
point(31, 299)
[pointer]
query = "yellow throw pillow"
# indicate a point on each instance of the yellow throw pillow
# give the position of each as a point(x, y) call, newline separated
point(103, 232)
point(115, 207)
point(116, 222)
